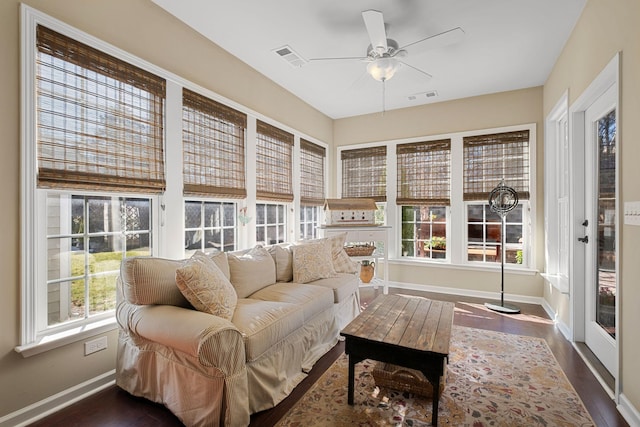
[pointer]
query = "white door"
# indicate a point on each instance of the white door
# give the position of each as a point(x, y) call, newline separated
point(601, 229)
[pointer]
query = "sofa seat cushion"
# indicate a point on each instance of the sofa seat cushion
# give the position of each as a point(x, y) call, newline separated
point(343, 285)
point(265, 323)
point(313, 299)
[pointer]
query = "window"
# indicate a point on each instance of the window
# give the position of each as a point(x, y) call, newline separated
point(312, 187)
point(94, 166)
point(424, 231)
point(556, 196)
point(310, 219)
point(87, 238)
point(99, 119)
point(271, 223)
point(484, 228)
point(424, 181)
point(213, 137)
point(488, 161)
point(274, 150)
point(364, 173)
point(97, 138)
point(209, 225)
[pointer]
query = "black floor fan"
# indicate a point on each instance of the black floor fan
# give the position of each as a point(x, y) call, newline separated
point(502, 200)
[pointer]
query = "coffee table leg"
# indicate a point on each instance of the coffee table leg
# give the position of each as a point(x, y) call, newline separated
point(352, 368)
point(436, 399)
point(434, 379)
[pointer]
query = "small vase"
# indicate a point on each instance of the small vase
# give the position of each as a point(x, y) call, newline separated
point(367, 271)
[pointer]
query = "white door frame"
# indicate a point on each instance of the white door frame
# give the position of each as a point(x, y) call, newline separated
point(607, 77)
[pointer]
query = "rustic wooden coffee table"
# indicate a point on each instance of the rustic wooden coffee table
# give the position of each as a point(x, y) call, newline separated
point(412, 332)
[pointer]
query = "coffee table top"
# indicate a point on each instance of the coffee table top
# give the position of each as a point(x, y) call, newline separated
point(405, 321)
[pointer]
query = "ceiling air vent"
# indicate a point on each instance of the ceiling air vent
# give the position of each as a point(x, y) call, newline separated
point(430, 94)
point(289, 55)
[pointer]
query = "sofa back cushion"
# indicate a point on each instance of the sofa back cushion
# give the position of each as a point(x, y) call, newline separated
point(251, 271)
point(150, 280)
point(283, 257)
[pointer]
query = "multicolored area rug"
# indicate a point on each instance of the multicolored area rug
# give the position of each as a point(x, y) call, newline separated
point(493, 379)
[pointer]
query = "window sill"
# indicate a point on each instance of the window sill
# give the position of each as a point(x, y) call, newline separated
point(60, 339)
point(472, 267)
point(559, 282)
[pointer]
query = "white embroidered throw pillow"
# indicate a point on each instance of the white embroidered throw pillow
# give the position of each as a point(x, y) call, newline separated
point(342, 263)
point(312, 261)
point(206, 287)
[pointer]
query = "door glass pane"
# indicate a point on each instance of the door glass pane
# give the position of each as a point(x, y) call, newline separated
point(606, 286)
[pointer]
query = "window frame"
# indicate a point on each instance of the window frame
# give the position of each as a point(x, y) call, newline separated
point(35, 336)
point(430, 224)
point(204, 229)
point(525, 234)
point(278, 224)
point(304, 221)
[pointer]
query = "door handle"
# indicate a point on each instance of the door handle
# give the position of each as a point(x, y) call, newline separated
point(585, 223)
point(584, 239)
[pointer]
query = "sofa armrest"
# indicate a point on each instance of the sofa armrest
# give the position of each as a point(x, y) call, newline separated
point(212, 339)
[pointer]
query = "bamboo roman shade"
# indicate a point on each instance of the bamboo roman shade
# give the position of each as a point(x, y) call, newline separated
point(312, 160)
point(424, 173)
point(213, 137)
point(100, 119)
point(274, 149)
point(364, 173)
point(490, 158)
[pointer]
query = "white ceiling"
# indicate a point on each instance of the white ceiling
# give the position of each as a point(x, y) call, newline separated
point(508, 45)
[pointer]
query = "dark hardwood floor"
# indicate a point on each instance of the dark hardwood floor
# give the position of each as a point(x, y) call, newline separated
point(114, 407)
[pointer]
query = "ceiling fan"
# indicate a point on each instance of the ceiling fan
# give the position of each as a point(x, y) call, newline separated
point(384, 56)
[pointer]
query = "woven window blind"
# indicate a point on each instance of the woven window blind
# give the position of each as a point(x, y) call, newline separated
point(100, 119)
point(364, 173)
point(312, 160)
point(490, 158)
point(213, 138)
point(274, 149)
point(424, 173)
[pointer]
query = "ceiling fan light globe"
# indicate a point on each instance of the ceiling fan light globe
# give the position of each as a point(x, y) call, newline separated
point(383, 69)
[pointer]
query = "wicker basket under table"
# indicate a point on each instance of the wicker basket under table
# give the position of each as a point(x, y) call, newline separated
point(404, 379)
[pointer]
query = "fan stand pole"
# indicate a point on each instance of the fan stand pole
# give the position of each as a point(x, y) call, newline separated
point(502, 308)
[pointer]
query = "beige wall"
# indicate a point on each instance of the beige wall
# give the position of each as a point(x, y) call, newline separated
point(145, 30)
point(607, 27)
point(470, 114)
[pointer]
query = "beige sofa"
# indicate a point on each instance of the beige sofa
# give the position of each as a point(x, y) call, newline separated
point(209, 370)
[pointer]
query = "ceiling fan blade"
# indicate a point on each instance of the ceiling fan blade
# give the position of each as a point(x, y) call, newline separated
point(374, 21)
point(417, 69)
point(445, 38)
point(341, 58)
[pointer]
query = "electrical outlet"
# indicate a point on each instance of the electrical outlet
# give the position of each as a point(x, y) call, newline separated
point(95, 345)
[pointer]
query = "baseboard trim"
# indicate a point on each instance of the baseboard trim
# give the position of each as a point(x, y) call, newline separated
point(41, 409)
point(628, 411)
point(562, 327)
point(490, 296)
